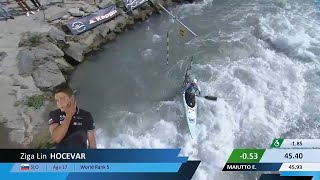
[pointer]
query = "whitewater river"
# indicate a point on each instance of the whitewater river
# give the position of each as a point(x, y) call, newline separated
point(261, 58)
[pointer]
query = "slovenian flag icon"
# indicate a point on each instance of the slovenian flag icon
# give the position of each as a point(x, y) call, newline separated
point(25, 167)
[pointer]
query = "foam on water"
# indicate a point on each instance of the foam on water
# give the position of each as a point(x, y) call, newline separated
point(288, 38)
point(186, 10)
point(156, 38)
point(147, 53)
point(262, 95)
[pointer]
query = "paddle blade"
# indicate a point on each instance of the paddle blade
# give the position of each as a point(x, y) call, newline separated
point(213, 98)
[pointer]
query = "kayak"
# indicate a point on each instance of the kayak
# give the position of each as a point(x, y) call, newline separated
point(190, 100)
point(190, 106)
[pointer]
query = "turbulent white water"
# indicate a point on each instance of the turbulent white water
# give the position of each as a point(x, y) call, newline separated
point(261, 58)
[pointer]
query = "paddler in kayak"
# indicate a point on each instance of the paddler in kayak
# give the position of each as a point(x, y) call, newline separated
point(191, 90)
point(192, 87)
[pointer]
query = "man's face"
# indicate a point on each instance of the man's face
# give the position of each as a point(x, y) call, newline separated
point(63, 100)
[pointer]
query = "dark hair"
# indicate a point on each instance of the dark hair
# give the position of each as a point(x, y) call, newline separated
point(64, 87)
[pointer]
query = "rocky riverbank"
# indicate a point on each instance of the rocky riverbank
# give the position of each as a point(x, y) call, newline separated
point(37, 54)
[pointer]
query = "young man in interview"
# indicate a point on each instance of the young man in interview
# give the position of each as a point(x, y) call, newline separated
point(70, 126)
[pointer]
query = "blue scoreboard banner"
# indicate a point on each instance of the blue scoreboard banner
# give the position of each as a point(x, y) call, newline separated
point(95, 164)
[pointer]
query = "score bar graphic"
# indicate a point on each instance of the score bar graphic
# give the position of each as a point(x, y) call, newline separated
point(290, 158)
point(296, 143)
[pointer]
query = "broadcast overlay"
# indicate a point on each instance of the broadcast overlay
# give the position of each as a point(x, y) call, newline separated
point(286, 159)
point(95, 164)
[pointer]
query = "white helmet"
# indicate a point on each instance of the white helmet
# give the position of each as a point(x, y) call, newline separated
point(195, 81)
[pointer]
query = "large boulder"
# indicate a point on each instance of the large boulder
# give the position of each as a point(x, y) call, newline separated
point(76, 12)
point(25, 62)
point(145, 6)
point(104, 30)
point(106, 3)
point(143, 15)
point(66, 17)
point(121, 22)
point(130, 20)
point(120, 4)
point(32, 39)
point(63, 65)
point(54, 13)
point(116, 24)
point(89, 9)
point(111, 25)
point(57, 37)
point(87, 38)
point(76, 51)
point(46, 52)
point(148, 11)
point(117, 30)
point(56, 34)
point(48, 76)
point(156, 4)
point(40, 56)
point(51, 50)
point(76, 4)
point(30, 58)
point(123, 13)
point(135, 14)
point(170, 2)
point(111, 36)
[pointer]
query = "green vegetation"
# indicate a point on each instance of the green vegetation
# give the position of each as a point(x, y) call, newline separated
point(45, 145)
point(35, 40)
point(42, 140)
point(36, 101)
